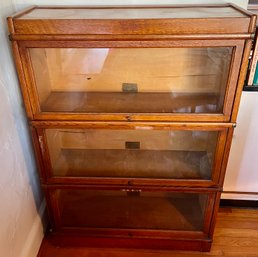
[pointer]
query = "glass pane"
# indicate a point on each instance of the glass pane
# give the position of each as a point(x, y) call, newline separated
point(133, 13)
point(131, 210)
point(132, 153)
point(131, 80)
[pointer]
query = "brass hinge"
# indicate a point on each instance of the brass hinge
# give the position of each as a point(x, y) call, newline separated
point(41, 144)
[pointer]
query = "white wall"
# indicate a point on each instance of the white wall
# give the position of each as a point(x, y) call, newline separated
point(242, 171)
point(20, 198)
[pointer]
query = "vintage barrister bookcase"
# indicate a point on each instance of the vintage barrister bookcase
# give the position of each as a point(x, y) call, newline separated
point(132, 111)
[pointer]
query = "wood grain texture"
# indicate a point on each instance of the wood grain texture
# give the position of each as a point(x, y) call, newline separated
point(241, 79)
point(38, 153)
point(17, 37)
point(22, 80)
point(235, 235)
point(152, 125)
point(133, 27)
point(132, 117)
point(133, 20)
point(226, 155)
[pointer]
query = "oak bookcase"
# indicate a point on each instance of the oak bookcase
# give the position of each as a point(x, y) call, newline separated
point(132, 111)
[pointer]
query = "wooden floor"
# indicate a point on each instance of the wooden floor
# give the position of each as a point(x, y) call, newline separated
point(236, 235)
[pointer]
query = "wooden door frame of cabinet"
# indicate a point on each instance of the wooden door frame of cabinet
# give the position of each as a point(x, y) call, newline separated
point(22, 79)
point(39, 154)
point(241, 79)
point(41, 148)
point(56, 224)
point(52, 208)
point(133, 125)
point(226, 155)
point(151, 188)
point(32, 101)
point(221, 180)
point(214, 214)
point(42, 154)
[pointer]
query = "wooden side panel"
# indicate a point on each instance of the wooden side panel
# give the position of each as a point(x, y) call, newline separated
point(22, 80)
point(241, 79)
point(38, 153)
point(226, 155)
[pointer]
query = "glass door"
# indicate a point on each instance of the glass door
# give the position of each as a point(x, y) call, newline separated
point(132, 80)
point(131, 211)
point(165, 82)
point(133, 156)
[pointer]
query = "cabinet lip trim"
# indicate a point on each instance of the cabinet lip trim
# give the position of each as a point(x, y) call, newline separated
point(85, 37)
point(131, 125)
point(143, 188)
point(192, 235)
point(136, 182)
point(137, 118)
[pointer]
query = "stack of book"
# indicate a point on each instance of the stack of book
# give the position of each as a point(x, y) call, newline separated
point(252, 78)
point(253, 72)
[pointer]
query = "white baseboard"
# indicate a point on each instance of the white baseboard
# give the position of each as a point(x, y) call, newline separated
point(36, 234)
point(239, 196)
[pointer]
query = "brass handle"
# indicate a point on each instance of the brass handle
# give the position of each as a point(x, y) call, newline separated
point(132, 190)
